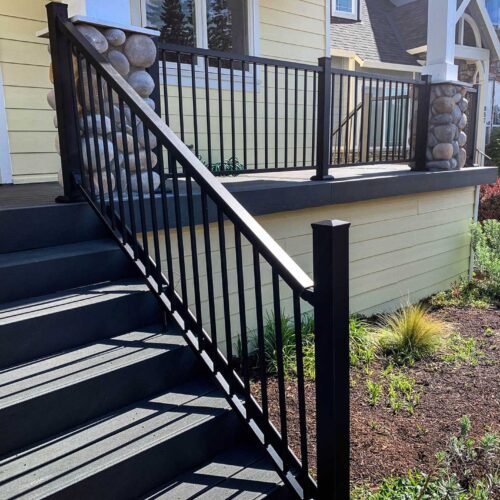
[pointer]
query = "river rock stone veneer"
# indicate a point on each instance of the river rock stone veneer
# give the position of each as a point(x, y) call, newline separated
point(447, 120)
point(131, 54)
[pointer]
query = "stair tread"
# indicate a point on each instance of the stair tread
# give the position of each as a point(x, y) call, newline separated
point(24, 257)
point(244, 472)
point(72, 298)
point(34, 379)
point(55, 464)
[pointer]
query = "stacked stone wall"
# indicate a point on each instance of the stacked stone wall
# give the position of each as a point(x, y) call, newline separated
point(130, 54)
point(447, 120)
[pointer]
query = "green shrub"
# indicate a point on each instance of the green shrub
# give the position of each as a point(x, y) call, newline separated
point(486, 245)
point(410, 334)
point(463, 293)
point(288, 342)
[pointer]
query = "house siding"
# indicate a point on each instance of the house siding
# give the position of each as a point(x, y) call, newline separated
point(287, 29)
point(24, 61)
point(402, 249)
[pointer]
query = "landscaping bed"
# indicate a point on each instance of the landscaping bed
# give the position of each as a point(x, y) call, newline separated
point(424, 389)
point(386, 442)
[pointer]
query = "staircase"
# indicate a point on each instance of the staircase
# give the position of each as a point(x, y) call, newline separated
point(100, 396)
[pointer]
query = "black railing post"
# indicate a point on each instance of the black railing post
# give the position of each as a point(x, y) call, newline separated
point(424, 96)
point(324, 126)
point(66, 111)
point(331, 320)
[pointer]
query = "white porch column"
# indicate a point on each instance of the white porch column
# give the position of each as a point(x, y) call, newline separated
point(441, 20)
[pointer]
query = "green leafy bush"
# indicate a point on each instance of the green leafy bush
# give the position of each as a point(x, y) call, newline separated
point(486, 245)
point(410, 334)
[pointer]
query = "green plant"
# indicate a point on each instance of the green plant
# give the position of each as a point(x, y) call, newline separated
point(466, 470)
point(362, 344)
point(486, 246)
point(461, 350)
point(410, 334)
point(289, 347)
point(375, 391)
point(231, 166)
point(401, 392)
point(463, 293)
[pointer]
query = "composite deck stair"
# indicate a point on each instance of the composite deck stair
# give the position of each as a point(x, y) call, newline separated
point(100, 396)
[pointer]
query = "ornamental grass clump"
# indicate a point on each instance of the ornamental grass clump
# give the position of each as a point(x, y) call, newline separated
point(410, 334)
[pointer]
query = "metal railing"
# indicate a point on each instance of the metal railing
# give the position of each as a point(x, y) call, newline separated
point(377, 117)
point(240, 113)
point(248, 114)
point(212, 267)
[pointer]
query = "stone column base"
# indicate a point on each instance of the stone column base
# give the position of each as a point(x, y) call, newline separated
point(447, 120)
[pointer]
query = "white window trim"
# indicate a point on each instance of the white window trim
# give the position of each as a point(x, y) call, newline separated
point(201, 28)
point(346, 15)
point(202, 35)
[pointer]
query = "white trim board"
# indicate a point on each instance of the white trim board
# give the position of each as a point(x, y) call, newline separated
point(5, 159)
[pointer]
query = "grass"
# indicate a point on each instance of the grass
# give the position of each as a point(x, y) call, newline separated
point(410, 334)
point(375, 392)
point(467, 469)
point(362, 343)
point(289, 344)
point(363, 346)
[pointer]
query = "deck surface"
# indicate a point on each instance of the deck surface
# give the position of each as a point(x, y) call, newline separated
point(29, 195)
point(42, 194)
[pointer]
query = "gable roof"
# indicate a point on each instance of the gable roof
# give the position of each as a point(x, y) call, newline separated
point(376, 37)
point(387, 31)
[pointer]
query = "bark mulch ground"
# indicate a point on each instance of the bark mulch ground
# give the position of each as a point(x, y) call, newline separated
point(385, 443)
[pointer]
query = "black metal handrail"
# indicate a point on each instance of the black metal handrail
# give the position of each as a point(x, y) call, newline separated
point(262, 104)
point(197, 247)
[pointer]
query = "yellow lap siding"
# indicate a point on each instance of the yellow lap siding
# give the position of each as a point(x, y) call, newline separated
point(25, 60)
point(404, 248)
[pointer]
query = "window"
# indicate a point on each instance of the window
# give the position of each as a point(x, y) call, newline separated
point(214, 24)
point(345, 8)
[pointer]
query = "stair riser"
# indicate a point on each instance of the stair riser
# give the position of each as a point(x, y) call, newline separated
point(34, 338)
point(137, 475)
point(40, 227)
point(36, 419)
point(44, 277)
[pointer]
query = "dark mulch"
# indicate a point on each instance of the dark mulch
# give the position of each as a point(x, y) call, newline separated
point(384, 443)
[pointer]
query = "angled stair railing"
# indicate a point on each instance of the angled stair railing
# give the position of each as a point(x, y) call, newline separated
point(241, 301)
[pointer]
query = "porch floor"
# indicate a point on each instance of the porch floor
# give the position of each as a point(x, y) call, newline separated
point(41, 194)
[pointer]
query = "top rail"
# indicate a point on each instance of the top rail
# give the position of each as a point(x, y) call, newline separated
point(288, 269)
point(377, 76)
point(183, 49)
